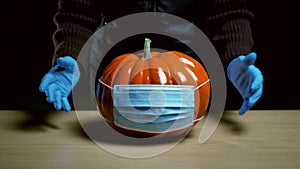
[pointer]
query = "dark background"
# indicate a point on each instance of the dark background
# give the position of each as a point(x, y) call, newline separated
point(26, 53)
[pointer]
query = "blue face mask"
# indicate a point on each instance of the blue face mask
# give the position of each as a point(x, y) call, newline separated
point(153, 108)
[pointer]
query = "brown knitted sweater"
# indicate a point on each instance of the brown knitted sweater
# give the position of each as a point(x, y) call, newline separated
point(225, 22)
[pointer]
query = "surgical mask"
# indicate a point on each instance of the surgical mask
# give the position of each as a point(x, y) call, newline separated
point(154, 108)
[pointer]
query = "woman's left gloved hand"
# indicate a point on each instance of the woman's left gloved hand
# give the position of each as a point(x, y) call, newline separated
point(247, 79)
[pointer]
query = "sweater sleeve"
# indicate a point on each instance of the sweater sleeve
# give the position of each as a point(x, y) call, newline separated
point(76, 21)
point(230, 28)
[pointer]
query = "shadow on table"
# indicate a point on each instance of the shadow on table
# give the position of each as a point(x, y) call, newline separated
point(36, 120)
point(232, 124)
point(100, 131)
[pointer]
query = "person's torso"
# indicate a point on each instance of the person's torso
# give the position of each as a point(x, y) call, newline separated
point(187, 9)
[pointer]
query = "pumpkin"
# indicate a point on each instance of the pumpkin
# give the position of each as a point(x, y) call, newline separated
point(164, 68)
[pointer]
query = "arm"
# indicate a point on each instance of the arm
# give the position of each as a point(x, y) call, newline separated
point(230, 29)
point(76, 21)
point(232, 37)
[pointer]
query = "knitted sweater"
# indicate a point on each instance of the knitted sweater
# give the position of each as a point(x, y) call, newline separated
point(225, 22)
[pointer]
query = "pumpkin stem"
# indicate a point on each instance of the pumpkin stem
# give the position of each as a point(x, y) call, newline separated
point(147, 52)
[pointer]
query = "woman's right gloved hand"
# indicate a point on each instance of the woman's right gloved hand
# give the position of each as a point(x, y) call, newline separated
point(59, 82)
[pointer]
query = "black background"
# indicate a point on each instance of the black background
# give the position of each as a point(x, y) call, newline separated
point(26, 53)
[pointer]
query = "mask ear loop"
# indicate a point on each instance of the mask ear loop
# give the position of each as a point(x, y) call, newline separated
point(204, 83)
point(198, 87)
point(98, 110)
point(105, 84)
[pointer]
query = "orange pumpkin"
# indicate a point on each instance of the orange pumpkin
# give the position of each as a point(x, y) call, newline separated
point(165, 68)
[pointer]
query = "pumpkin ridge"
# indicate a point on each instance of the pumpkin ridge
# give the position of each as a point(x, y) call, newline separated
point(122, 73)
point(111, 68)
point(139, 71)
point(178, 70)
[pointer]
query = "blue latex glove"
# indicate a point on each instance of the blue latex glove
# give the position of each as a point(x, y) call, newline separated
point(247, 79)
point(59, 82)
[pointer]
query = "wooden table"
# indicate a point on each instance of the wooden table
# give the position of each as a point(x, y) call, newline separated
point(256, 140)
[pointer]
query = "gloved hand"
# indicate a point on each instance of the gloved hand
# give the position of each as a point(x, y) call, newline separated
point(59, 81)
point(247, 79)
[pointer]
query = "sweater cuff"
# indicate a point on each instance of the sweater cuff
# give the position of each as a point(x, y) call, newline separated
point(237, 38)
point(68, 49)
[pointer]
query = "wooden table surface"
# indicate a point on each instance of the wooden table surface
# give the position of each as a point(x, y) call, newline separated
point(50, 140)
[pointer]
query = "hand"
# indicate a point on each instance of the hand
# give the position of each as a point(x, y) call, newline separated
point(59, 81)
point(247, 79)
